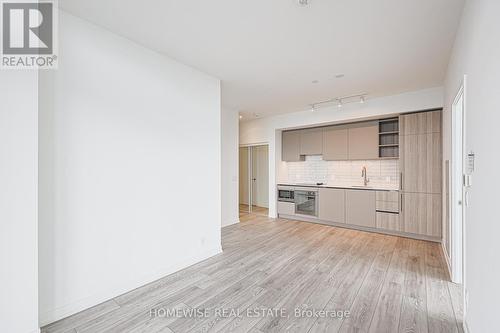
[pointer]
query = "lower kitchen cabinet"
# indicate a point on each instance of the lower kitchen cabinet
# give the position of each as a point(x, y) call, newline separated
point(422, 214)
point(388, 221)
point(360, 208)
point(332, 205)
point(286, 208)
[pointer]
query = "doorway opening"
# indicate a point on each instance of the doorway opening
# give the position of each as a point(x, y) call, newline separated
point(254, 180)
point(457, 227)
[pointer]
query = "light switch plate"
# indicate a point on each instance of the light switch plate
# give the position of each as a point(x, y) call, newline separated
point(467, 180)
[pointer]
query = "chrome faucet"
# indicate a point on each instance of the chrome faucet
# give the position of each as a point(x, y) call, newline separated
point(363, 174)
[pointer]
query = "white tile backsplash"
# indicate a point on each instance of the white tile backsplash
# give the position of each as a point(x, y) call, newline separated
point(384, 173)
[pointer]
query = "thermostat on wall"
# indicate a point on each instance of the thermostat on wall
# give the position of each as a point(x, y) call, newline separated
point(470, 162)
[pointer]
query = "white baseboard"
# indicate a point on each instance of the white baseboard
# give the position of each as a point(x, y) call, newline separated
point(67, 310)
point(230, 223)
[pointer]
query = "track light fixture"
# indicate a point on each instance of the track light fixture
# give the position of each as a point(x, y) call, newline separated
point(361, 98)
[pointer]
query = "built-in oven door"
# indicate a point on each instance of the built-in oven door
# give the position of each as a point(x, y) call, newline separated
point(306, 203)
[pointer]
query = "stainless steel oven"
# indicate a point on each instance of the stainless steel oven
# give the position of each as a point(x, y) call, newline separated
point(286, 194)
point(306, 202)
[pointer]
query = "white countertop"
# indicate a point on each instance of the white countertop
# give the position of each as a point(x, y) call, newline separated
point(345, 186)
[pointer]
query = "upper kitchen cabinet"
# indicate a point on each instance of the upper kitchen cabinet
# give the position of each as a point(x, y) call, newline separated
point(311, 141)
point(421, 152)
point(290, 146)
point(420, 123)
point(335, 144)
point(363, 141)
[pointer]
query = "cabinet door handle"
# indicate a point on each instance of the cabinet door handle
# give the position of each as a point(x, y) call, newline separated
point(401, 204)
point(401, 181)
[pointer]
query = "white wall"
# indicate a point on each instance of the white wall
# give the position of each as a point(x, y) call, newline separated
point(130, 139)
point(229, 163)
point(18, 201)
point(476, 53)
point(267, 130)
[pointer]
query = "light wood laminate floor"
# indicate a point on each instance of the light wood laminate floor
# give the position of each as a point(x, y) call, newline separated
point(256, 210)
point(275, 266)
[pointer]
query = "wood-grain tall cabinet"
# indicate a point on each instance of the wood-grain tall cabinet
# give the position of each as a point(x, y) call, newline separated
point(421, 173)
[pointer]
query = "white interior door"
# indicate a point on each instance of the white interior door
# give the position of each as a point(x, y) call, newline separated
point(244, 175)
point(260, 176)
point(254, 177)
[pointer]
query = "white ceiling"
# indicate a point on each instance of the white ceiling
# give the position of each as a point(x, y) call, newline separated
point(268, 52)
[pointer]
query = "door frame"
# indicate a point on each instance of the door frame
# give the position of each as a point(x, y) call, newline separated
point(457, 198)
point(250, 166)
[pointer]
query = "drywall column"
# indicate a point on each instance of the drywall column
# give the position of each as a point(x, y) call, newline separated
point(18, 201)
point(229, 166)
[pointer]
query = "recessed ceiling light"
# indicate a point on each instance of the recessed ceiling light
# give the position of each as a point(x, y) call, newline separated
point(339, 76)
point(303, 2)
point(315, 81)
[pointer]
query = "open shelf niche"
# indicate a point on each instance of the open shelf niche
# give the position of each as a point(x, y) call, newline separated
point(388, 144)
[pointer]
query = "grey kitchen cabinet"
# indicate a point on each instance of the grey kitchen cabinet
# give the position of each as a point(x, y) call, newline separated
point(311, 141)
point(421, 152)
point(388, 221)
point(360, 208)
point(421, 163)
point(290, 146)
point(391, 196)
point(363, 141)
point(422, 214)
point(332, 205)
point(421, 173)
point(388, 206)
point(286, 208)
point(420, 123)
point(335, 144)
